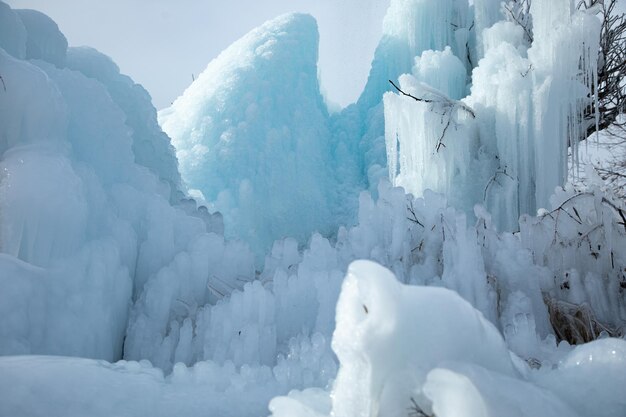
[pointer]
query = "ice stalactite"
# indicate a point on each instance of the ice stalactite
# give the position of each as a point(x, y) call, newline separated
point(564, 58)
point(486, 14)
point(411, 27)
point(528, 105)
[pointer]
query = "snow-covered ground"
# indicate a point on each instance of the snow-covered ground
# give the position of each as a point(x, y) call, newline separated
point(298, 281)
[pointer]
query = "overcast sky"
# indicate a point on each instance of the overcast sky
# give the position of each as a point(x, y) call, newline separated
point(161, 43)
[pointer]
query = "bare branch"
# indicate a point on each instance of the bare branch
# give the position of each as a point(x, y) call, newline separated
point(423, 100)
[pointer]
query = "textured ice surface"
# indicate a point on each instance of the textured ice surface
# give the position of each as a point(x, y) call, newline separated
point(75, 236)
point(102, 258)
point(12, 32)
point(150, 145)
point(254, 125)
point(510, 152)
point(44, 40)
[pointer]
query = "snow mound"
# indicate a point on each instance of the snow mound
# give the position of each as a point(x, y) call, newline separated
point(389, 336)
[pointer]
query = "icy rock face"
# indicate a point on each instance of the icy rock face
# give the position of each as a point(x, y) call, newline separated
point(255, 125)
point(508, 147)
point(44, 40)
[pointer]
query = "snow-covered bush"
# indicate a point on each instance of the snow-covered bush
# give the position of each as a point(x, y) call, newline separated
point(581, 242)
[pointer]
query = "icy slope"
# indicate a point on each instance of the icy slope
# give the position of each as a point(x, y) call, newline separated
point(254, 125)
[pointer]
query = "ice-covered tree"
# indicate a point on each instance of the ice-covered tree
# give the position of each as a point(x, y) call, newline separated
point(530, 95)
point(611, 85)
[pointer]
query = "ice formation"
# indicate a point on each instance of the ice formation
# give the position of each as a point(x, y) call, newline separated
point(527, 102)
point(102, 257)
point(82, 223)
point(44, 40)
point(254, 125)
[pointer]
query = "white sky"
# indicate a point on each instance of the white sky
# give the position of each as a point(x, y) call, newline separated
point(161, 43)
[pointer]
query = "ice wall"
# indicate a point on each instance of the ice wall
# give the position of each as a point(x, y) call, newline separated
point(409, 29)
point(285, 318)
point(429, 141)
point(83, 226)
point(564, 56)
point(64, 293)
